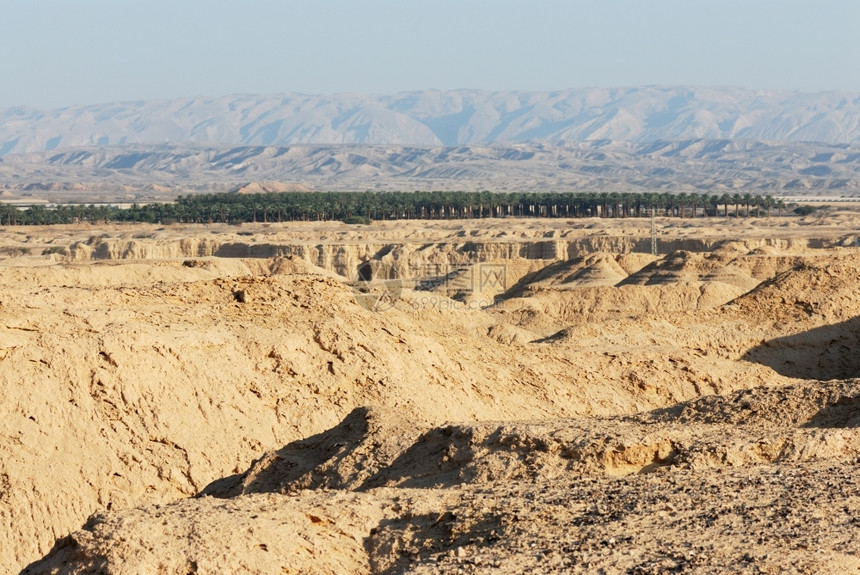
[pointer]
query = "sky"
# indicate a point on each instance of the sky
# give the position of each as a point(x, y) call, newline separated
point(56, 53)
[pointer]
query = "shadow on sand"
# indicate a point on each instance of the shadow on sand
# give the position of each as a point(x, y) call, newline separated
point(823, 353)
point(298, 461)
point(844, 413)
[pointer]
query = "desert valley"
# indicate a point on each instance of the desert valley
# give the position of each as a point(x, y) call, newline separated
point(480, 396)
point(458, 288)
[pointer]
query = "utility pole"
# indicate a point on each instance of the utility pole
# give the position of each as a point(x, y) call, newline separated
point(653, 233)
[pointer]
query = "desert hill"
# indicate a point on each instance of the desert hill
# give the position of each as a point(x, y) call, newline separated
point(218, 398)
point(376, 494)
point(268, 187)
point(117, 173)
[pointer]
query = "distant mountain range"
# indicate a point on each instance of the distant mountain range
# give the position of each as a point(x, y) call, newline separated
point(137, 171)
point(645, 138)
point(449, 118)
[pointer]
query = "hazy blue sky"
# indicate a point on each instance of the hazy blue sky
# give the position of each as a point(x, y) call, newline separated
point(60, 52)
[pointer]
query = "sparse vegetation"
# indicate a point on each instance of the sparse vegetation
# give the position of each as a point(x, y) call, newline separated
point(357, 220)
point(805, 210)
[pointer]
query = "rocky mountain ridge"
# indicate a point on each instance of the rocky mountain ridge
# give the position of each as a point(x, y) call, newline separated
point(145, 172)
point(443, 118)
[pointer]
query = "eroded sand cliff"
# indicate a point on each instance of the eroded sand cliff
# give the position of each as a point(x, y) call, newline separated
point(217, 399)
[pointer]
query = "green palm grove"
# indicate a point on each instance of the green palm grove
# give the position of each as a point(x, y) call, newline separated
point(324, 206)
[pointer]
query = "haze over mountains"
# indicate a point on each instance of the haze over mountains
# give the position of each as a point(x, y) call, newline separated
point(137, 171)
point(643, 138)
point(452, 118)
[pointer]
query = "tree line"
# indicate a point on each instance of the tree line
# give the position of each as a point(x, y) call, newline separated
point(365, 206)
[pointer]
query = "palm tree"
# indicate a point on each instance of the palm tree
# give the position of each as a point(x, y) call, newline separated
point(695, 203)
point(726, 199)
point(748, 200)
point(736, 200)
point(678, 202)
point(614, 199)
point(757, 202)
point(780, 205)
point(714, 202)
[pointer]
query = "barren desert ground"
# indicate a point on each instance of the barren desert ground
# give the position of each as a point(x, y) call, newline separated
point(494, 396)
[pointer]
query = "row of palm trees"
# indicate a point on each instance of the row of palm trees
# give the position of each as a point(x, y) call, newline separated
point(11, 215)
point(463, 205)
point(292, 206)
